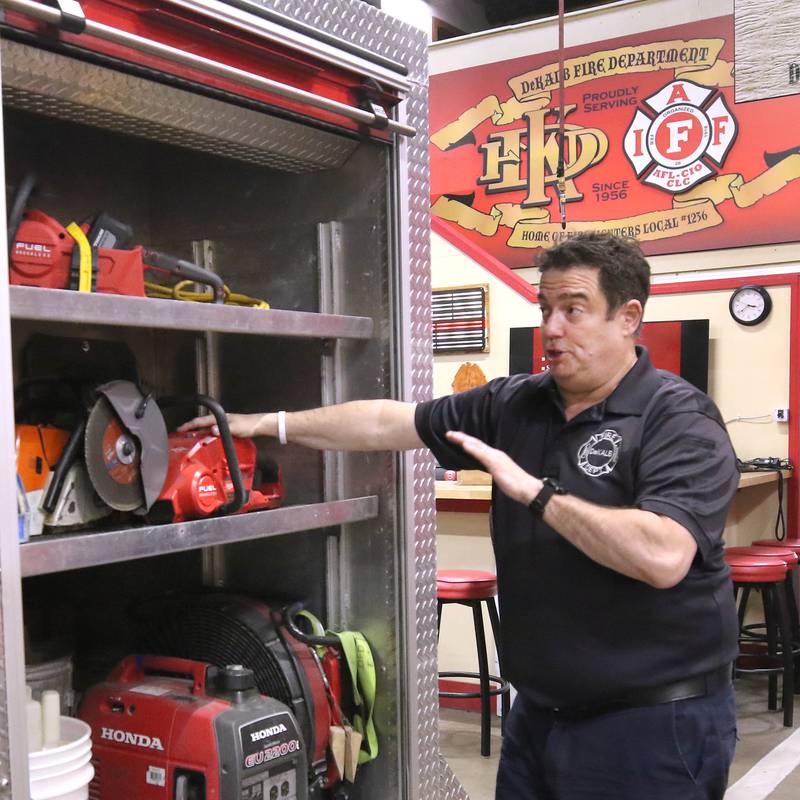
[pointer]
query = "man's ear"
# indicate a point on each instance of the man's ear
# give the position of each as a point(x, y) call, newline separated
point(631, 315)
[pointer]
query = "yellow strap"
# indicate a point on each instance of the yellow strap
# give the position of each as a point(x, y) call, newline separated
point(358, 656)
point(363, 680)
point(85, 262)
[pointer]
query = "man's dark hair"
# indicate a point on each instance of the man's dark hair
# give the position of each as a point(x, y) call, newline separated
point(624, 271)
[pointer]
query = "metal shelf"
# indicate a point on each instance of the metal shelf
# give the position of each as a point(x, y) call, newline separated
point(47, 554)
point(61, 305)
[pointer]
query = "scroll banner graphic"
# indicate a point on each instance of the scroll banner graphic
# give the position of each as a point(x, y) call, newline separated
point(694, 210)
point(695, 60)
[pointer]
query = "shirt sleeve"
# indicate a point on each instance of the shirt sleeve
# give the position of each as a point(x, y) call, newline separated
point(470, 412)
point(687, 471)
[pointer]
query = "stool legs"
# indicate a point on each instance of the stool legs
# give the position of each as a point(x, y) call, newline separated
point(505, 699)
point(485, 678)
point(788, 658)
point(483, 672)
point(779, 640)
point(772, 645)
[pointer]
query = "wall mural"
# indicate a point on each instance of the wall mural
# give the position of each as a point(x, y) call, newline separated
point(655, 148)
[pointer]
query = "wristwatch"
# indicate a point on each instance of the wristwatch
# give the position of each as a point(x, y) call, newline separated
point(549, 488)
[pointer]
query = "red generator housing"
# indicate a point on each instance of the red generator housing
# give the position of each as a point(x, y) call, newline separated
point(184, 730)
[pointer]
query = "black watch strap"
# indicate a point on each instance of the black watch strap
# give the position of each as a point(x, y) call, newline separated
point(549, 488)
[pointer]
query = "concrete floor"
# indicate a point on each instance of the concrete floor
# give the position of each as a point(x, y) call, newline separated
point(763, 741)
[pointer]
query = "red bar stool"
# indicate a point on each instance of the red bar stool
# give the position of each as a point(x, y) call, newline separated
point(792, 559)
point(792, 589)
point(470, 588)
point(773, 654)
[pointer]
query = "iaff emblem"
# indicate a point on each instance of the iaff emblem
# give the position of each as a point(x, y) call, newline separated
point(682, 134)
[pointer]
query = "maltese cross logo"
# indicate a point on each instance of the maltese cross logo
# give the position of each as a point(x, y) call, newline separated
point(685, 132)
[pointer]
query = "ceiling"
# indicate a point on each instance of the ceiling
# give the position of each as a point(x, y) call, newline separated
point(507, 12)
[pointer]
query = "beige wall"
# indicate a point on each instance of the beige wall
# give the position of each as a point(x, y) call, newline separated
point(507, 309)
point(748, 367)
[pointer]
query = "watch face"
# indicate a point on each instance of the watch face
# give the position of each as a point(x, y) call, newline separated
point(750, 305)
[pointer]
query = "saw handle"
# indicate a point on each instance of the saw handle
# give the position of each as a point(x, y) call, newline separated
point(185, 269)
point(17, 210)
point(221, 418)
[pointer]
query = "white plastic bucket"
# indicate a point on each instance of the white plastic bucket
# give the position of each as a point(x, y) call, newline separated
point(63, 772)
point(72, 785)
point(54, 770)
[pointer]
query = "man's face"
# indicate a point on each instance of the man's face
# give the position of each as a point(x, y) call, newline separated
point(584, 346)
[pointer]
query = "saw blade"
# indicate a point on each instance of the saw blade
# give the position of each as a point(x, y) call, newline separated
point(113, 458)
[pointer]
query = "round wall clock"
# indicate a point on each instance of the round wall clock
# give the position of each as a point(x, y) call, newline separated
point(750, 304)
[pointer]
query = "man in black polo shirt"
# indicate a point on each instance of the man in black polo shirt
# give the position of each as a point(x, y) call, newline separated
point(612, 482)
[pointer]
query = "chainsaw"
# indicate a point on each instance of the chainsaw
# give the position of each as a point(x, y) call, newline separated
point(136, 466)
point(99, 256)
point(49, 424)
point(96, 256)
point(57, 500)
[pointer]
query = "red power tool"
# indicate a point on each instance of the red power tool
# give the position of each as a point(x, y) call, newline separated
point(134, 465)
point(200, 482)
point(173, 729)
point(97, 256)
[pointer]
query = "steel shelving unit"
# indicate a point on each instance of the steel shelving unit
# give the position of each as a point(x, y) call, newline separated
point(49, 554)
point(59, 305)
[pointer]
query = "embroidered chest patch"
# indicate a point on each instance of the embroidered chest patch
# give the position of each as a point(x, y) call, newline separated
point(599, 455)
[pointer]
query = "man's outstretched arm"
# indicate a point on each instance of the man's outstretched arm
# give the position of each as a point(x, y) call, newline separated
point(358, 425)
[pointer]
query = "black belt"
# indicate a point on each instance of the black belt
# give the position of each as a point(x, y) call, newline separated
point(697, 686)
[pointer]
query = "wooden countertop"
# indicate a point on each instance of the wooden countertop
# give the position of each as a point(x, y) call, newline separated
point(454, 496)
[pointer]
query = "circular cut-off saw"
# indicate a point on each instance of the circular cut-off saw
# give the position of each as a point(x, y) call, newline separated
point(134, 465)
point(126, 447)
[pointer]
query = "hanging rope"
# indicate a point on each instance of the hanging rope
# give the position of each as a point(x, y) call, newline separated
point(561, 180)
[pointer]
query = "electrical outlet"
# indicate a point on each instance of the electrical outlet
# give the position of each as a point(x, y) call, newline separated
point(780, 414)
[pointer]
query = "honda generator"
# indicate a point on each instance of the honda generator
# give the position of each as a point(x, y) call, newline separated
point(221, 628)
point(171, 728)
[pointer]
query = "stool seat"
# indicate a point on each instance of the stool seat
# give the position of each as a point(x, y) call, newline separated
point(755, 569)
point(784, 553)
point(792, 544)
point(465, 584)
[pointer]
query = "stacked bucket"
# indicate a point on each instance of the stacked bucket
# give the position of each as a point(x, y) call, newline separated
point(59, 751)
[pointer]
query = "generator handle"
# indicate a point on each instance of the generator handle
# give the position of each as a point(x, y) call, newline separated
point(312, 640)
point(134, 668)
point(221, 418)
point(185, 269)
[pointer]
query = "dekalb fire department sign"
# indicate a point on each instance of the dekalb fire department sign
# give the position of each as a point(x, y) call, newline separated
point(655, 148)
